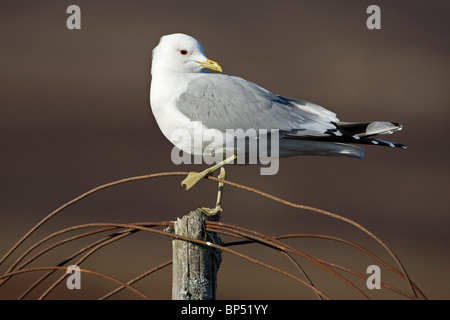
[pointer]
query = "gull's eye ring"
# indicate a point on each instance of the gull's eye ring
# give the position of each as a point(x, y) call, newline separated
point(183, 52)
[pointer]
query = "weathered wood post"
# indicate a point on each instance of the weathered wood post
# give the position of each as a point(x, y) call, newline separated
point(195, 266)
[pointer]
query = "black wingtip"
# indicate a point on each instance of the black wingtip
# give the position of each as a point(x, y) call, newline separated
point(387, 143)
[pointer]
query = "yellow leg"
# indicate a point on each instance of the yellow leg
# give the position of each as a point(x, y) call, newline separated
point(194, 177)
point(211, 212)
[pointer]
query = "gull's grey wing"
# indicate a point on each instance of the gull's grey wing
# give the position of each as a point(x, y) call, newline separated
point(227, 102)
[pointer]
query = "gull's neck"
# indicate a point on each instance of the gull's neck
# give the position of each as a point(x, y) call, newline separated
point(168, 84)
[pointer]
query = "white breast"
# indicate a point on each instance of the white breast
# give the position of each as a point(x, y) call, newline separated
point(166, 88)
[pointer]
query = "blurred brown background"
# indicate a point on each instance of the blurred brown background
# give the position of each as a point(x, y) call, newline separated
point(75, 114)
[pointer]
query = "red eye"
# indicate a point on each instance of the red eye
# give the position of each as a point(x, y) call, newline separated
point(183, 52)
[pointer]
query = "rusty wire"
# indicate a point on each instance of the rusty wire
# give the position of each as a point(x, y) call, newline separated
point(98, 274)
point(244, 235)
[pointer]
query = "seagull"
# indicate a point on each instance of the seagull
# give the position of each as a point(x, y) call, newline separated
point(185, 95)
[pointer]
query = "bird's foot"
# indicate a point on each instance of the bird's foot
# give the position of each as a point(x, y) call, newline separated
point(194, 177)
point(211, 212)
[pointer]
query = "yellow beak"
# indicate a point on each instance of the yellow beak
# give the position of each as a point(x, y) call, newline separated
point(210, 64)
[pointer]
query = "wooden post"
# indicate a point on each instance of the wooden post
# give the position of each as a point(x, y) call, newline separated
point(195, 266)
